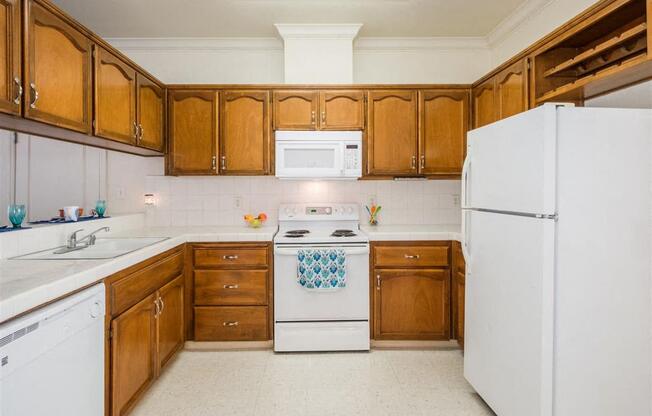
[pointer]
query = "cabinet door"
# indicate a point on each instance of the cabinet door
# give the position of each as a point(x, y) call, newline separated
point(115, 98)
point(295, 110)
point(341, 110)
point(245, 142)
point(10, 65)
point(57, 71)
point(511, 90)
point(460, 283)
point(170, 320)
point(412, 304)
point(150, 114)
point(392, 133)
point(193, 132)
point(444, 116)
point(484, 104)
point(133, 354)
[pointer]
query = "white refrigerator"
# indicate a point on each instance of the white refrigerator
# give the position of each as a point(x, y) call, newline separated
point(556, 234)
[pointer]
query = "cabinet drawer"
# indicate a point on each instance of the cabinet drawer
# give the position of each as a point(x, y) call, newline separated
point(230, 257)
point(230, 287)
point(231, 323)
point(411, 256)
point(136, 286)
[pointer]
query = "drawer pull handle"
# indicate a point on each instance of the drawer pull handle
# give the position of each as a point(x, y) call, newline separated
point(233, 323)
point(230, 257)
point(231, 286)
point(412, 257)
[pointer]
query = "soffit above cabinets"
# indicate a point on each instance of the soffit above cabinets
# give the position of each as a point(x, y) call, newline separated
point(256, 18)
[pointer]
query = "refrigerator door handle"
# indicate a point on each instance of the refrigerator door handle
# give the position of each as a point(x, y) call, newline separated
point(465, 177)
point(465, 229)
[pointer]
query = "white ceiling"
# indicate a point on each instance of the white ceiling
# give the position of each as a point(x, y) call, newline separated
point(255, 18)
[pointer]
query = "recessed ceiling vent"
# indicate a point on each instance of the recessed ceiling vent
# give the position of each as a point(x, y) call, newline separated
point(318, 53)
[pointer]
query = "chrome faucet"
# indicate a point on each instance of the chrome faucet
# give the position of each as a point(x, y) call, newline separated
point(73, 242)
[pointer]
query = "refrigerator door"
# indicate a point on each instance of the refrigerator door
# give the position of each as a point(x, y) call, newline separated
point(508, 355)
point(510, 164)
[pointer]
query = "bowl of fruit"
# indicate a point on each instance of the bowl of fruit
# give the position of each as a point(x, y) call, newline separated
point(255, 222)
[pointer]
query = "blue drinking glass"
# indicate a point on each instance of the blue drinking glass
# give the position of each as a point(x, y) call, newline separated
point(16, 214)
point(100, 208)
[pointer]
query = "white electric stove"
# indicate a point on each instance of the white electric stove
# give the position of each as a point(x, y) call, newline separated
point(320, 320)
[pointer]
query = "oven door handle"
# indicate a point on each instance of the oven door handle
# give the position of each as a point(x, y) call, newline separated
point(347, 251)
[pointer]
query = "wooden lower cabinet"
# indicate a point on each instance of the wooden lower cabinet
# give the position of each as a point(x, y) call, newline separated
point(171, 328)
point(411, 302)
point(232, 291)
point(146, 335)
point(458, 292)
point(133, 354)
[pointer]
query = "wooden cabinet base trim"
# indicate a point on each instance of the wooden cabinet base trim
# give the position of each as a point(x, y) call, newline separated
point(36, 128)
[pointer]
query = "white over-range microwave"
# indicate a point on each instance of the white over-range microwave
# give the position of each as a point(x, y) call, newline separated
point(330, 155)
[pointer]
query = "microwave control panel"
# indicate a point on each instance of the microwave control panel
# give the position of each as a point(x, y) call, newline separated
point(351, 156)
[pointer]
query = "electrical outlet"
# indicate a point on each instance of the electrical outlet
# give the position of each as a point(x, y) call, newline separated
point(373, 200)
point(456, 200)
point(237, 202)
point(120, 193)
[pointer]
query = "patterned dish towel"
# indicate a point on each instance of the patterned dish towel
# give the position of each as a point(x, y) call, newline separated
point(321, 269)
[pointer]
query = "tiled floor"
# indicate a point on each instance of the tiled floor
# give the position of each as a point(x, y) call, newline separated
point(261, 383)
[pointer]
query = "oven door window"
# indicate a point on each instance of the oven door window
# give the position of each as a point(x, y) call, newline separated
point(311, 160)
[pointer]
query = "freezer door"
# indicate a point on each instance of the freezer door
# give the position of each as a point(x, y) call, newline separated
point(510, 164)
point(509, 312)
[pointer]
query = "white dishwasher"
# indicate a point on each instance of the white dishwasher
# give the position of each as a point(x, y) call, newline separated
point(52, 360)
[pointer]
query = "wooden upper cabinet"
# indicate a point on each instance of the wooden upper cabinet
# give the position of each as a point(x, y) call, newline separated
point(133, 354)
point(171, 331)
point(444, 116)
point(150, 113)
point(511, 90)
point(392, 132)
point(115, 98)
point(10, 63)
point(412, 304)
point(57, 70)
point(296, 110)
point(193, 131)
point(341, 110)
point(245, 138)
point(484, 103)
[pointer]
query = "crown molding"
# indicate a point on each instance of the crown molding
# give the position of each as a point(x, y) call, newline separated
point(431, 43)
point(525, 12)
point(318, 31)
point(196, 44)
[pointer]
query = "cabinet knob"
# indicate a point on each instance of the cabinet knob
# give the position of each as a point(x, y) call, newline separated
point(412, 256)
point(231, 323)
point(214, 163)
point(323, 116)
point(423, 161)
point(223, 161)
point(312, 117)
point(414, 162)
point(377, 282)
point(230, 257)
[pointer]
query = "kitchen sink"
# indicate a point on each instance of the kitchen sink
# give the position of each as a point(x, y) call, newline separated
point(104, 248)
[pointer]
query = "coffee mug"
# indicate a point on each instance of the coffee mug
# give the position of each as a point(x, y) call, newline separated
point(71, 213)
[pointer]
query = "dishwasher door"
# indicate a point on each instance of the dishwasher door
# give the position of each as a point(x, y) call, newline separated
point(52, 360)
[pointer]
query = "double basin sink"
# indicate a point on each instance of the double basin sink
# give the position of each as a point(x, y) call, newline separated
point(104, 248)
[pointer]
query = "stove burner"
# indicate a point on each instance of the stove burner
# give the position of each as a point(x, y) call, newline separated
point(343, 233)
point(297, 232)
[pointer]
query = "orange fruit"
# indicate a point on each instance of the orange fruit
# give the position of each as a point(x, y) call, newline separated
point(248, 217)
point(262, 216)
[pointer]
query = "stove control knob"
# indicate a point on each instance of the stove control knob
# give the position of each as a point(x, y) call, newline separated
point(287, 210)
point(349, 210)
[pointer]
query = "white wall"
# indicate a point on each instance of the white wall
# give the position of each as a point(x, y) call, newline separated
point(50, 174)
point(260, 61)
point(532, 21)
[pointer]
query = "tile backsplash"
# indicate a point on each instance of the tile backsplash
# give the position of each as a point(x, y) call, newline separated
point(197, 201)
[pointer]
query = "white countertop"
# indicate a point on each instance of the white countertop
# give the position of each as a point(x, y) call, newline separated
point(413, 232)
point(26, 284)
